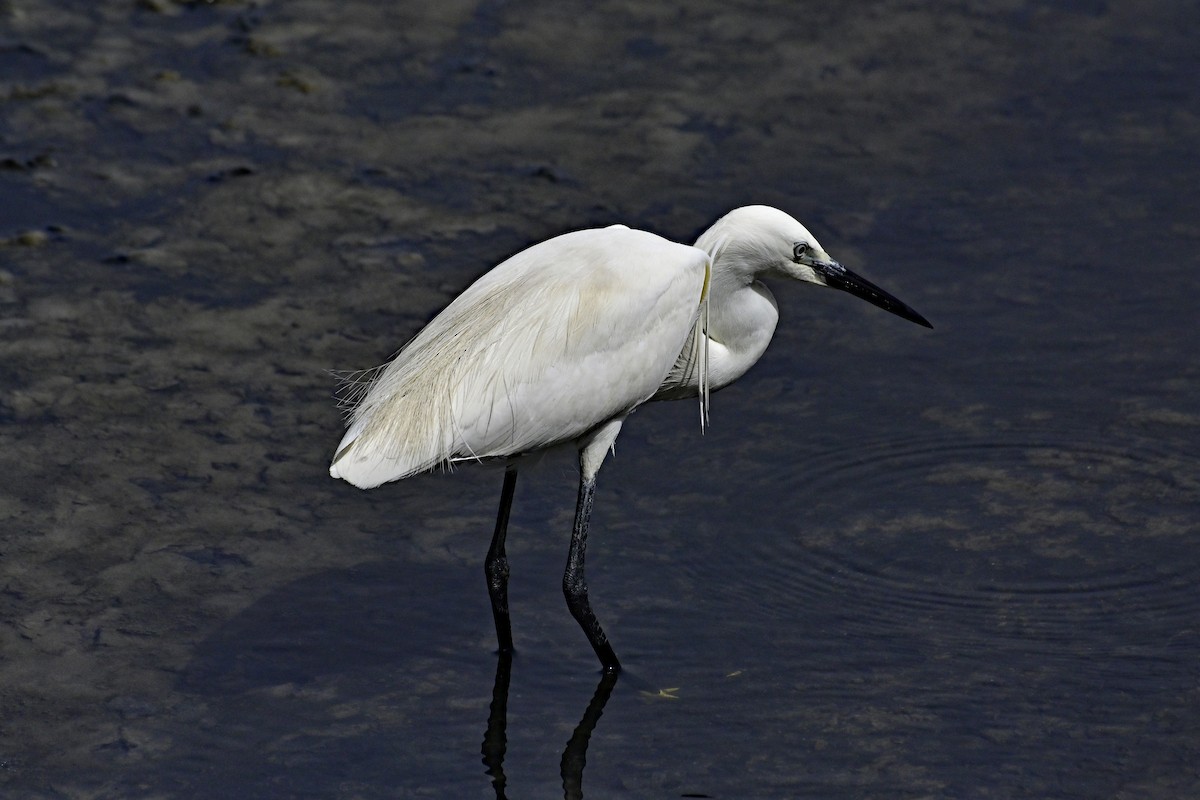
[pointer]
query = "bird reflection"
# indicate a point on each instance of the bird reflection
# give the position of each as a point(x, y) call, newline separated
point(574, 755)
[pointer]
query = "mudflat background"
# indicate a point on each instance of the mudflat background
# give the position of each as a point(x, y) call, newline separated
point(903, 563)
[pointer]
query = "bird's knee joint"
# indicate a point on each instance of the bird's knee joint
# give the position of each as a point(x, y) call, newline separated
point(575, 590)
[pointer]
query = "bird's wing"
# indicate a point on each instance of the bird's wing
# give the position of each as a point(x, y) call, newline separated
point(556, 340)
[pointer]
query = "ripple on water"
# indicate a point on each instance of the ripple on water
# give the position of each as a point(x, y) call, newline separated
point(1013, 540)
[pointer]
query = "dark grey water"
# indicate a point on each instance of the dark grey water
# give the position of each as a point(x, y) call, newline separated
point(957, 563)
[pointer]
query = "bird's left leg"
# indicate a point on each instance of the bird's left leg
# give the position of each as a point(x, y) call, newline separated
point(591, 455)
point(495, 567)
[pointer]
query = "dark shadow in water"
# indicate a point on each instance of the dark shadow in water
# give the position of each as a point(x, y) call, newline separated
point(326, 684)
point(353, 622)
point(495, 738)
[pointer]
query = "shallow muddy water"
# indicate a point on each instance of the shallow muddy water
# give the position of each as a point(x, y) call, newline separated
point(901, 563)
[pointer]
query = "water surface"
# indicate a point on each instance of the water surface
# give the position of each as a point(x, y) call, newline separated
point(902, 563)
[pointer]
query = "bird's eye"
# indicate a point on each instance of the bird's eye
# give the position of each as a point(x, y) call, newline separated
point(799, 250)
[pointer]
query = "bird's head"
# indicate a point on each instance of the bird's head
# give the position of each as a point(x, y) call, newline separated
point(755, 241)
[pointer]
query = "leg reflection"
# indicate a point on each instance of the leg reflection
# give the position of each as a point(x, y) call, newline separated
point(574, 757)
point(495, 739)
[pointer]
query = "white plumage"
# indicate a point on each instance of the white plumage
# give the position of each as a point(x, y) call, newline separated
point(570, 333)
point(560, 342)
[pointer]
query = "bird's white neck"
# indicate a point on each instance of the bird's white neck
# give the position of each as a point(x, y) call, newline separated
point(741, 320)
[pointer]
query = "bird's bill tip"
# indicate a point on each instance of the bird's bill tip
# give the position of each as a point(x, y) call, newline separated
point(913, 316)
point(839, 277)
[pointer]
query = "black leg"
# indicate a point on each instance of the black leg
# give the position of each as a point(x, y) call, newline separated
point(496, 565)
point(575, 584)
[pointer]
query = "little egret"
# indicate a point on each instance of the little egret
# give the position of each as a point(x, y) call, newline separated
point(561, 342)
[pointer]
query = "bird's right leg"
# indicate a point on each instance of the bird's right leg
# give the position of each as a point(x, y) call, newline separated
point(496, 565)
point(591, 455)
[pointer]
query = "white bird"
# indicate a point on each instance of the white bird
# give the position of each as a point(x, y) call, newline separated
point(561, 342)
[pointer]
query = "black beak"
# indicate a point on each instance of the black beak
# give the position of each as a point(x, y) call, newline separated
point(839, 277)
